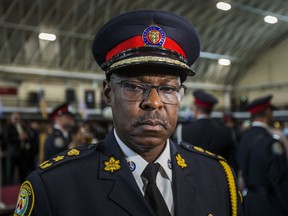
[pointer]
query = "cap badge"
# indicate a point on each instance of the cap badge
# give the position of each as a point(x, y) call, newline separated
point(154, 36)
point(112, 165)
point(180, 161)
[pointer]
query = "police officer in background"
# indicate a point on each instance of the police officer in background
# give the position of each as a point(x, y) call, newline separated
point(57, 141)
point(262, 161)
point(137, 170)
point(204, 131)
point(15, 136)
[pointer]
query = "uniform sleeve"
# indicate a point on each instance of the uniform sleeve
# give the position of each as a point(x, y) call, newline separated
point(32, 198)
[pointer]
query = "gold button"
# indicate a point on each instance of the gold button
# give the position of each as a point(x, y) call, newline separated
point(210, 214)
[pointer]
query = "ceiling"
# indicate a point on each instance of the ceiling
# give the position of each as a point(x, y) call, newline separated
point(239, 34)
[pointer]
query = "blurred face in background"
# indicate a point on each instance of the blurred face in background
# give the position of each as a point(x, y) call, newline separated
point(78, 136)
point(15, 118)
point(81, 136)
point(66, 121)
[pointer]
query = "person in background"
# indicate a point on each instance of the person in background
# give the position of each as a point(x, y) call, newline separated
point(78, 136)
point(204, 131)
point(31, 153)
point(263, 164)
point(3, 148)
point(230, 122)
point(15, 138)
point(137, 169)
point(57, 141)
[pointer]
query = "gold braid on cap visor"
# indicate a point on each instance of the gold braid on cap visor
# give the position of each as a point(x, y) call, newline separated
point(148, 59)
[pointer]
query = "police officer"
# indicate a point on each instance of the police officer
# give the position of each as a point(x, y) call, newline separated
point(137, 169)
point(57, 141)
point(263, 164)
point(204, 131)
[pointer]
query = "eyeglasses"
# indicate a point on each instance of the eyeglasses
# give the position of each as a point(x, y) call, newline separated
point(136, 91)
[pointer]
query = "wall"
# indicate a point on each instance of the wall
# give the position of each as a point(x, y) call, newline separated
point(269, 75)
point(55, 91)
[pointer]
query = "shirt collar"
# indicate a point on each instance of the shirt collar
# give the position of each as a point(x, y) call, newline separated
point(202, 116)
point(134, 159)
point(260, 124)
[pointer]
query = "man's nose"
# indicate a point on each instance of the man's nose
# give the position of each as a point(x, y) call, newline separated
point(152, 100)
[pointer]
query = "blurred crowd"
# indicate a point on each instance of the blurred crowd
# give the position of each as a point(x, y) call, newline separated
point(24, 143)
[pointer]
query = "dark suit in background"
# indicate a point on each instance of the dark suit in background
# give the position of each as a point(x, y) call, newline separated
point(206, 132)
point(264, 167)
point(57, 141)
point(15, 144)
point(210, 135)
point(262, 161)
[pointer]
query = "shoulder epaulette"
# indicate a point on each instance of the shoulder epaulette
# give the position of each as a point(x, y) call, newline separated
point(201, 151)
point(68, 155)
point(228, 172)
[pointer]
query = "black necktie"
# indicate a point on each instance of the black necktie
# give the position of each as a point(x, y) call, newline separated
point(152, 193)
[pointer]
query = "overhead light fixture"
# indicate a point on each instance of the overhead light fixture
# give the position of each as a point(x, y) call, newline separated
point(223, 6)
point(270, 19)
point(47, 36)
point(224, 62)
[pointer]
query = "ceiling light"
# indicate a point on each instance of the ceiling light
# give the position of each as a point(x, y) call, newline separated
point(224, 62)
point(47, 36)
point(223, 6)
point(270, 19)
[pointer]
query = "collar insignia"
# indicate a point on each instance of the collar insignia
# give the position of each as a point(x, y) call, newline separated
point(112, 165)
point(169, 164)
point(180, 161)
point(73, 152)
point(153, 36)
point(132, 165)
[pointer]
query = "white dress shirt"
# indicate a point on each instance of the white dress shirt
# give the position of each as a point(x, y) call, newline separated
point(164, 177)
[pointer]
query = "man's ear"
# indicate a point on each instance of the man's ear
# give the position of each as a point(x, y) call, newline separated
point(107, 92)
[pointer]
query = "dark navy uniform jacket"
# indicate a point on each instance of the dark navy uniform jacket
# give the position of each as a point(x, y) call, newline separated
point(210, 135)
point(264, 166)
point(96, 180)
point(55, 143)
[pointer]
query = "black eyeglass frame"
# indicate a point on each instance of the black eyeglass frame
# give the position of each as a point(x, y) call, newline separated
point(146, 89)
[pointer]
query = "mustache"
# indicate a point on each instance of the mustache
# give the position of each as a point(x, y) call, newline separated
point(150, 119)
